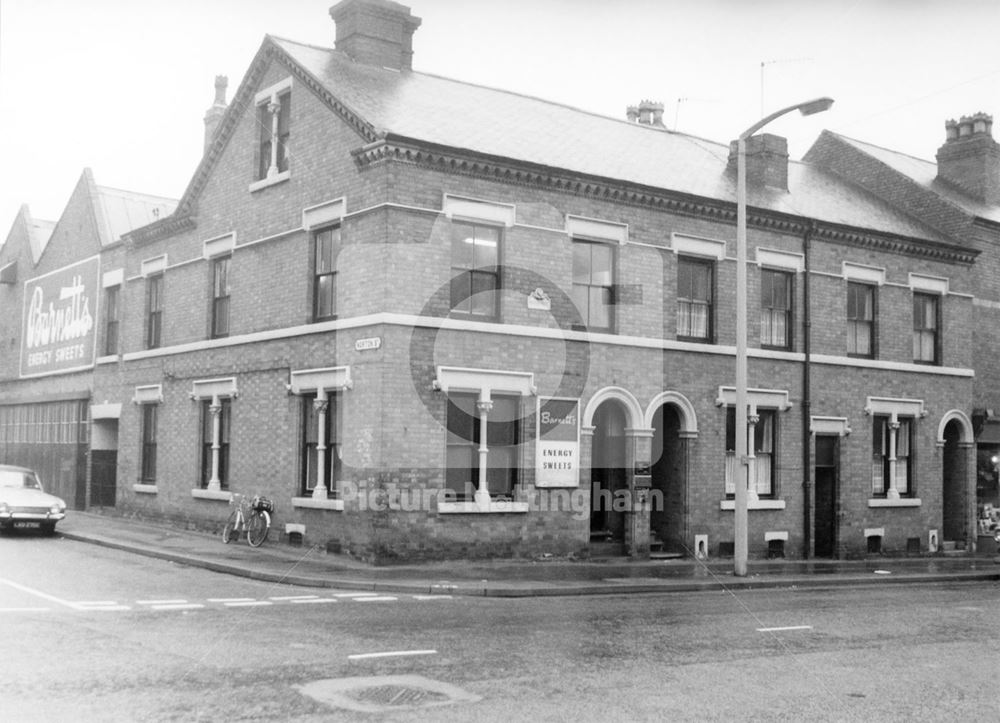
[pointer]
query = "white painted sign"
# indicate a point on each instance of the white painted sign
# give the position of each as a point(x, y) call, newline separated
point(557, 453)
point(370, 344)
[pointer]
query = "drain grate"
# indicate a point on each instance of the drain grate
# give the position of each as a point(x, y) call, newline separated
point(397, 695)
point(381, 693)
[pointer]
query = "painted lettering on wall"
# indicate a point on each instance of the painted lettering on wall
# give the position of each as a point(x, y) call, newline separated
point(59, 319)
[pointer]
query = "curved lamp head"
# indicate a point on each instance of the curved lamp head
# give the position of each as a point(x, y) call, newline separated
point(815, 106)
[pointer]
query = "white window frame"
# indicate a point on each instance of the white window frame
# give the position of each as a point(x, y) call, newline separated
point(268, 96)
point(323, 382)
point(214, 390)
point(484, 382)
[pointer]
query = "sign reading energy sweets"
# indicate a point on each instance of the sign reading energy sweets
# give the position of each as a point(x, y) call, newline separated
point(59, 319)
point(557, 453)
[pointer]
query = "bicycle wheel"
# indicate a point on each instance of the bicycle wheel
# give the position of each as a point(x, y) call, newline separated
point(257, 527)
point(229, 532)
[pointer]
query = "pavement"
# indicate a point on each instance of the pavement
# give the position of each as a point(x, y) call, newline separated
point(280, 562)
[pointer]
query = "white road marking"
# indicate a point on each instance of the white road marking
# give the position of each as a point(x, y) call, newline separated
point(24, 610)
point(247, 603)
point(294, 598)
point(39, 593)
point(433, 597)
point(379, 598)
point(314, 600)
point(178, 606)
point(96, 602)
point(103, 608)
point(161, 602)
point(787, 627)
point(391, 654)
point(353, 594)
point(230, 599)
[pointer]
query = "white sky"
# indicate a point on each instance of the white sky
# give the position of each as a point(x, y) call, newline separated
point(122, 86)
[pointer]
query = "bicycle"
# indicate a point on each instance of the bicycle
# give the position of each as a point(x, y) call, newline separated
point(253, 516)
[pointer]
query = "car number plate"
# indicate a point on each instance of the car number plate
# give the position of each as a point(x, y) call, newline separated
point(27, 525)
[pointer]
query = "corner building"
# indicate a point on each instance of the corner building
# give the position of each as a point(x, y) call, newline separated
point(436, 320)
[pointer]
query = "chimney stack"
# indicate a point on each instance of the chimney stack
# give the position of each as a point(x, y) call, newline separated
point(376, 32)
point(970, 158)
point(647, 113)
point(766, 160)
point(215, 113)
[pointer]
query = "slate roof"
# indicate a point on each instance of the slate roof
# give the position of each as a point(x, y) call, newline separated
point(924, 173)
point(485, 120)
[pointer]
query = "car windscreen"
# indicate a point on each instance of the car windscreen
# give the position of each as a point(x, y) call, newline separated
point(16, 478)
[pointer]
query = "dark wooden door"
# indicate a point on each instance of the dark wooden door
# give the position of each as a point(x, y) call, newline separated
point(103, 466)
point(825, 523)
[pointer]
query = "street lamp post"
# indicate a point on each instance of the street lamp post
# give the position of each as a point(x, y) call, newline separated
point(742, 478)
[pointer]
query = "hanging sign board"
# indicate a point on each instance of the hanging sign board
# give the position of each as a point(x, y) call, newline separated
point(557, 453)
point(60, 319)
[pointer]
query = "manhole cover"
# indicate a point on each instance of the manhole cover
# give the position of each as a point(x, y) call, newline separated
point(376, 694)
point(397, 695)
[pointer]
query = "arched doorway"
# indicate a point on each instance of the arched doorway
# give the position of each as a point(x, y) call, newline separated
point(667, 519)
point(609, 481)
point(954, 484)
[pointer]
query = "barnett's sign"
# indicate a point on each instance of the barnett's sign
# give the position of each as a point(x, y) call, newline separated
point(557, 454)
point(59, 319)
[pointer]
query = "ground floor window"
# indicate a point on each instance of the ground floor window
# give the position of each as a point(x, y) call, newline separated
point(763, 426)
point(320, 452)
point(465, 429)
point(147, 474)
point(891, 463)
point(215, 435)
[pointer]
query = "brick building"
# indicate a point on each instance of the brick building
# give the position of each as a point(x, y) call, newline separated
point(436, 320)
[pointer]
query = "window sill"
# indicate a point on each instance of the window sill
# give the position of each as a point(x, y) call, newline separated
point(901, 502)
point(754, 505)
point(318, 503)
point(270, 181)
point(144, 489)
point(219, 496)
point(474, 508)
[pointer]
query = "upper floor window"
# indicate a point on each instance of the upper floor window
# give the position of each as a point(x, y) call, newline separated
point(593, 283)
point(926, 322)
point(326, 247)
point(762, 462)
point(273, 121)
point(892, 468)
point(860, 319)
point(112, 313)
point(465, 427)
point(475, 270)
point(154, 310)
point(220, 296)
point(695, 282)
point(775, 309)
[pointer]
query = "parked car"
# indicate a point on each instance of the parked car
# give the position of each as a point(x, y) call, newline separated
point(24, 504)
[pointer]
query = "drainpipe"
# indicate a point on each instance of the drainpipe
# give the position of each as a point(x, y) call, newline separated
point(806, 399)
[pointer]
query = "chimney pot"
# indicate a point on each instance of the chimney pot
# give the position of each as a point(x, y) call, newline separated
point(218, 109)
point(632, 113)
point(969, 159)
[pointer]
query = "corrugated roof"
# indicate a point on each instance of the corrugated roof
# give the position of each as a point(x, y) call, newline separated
point(39, 233)
point(122, 211)
point(500, 123)
point(924, 173)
